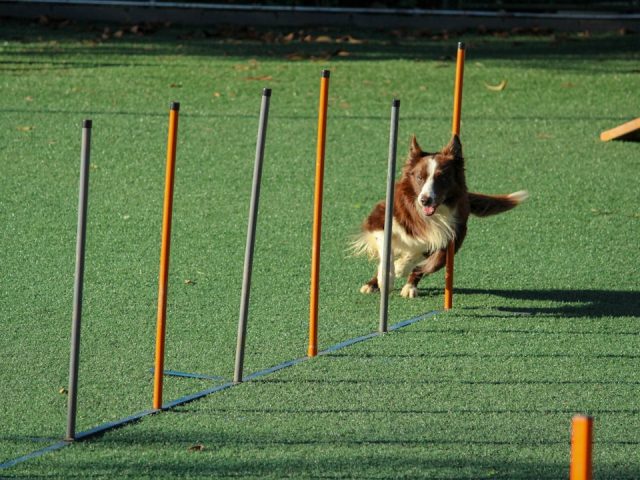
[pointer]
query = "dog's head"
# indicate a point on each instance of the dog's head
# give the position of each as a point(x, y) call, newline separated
point(435, 177)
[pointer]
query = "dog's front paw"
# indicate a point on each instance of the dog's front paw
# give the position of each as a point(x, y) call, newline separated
point(409, 291)
point(367, 288)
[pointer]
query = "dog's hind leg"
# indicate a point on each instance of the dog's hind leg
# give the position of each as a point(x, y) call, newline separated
point(433, 263)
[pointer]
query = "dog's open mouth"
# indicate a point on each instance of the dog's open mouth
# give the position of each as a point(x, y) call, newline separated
point(429, 210)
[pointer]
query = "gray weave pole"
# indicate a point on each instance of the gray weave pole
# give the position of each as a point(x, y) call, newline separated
point(251, 236)
point(385, 282)
point(85, 155)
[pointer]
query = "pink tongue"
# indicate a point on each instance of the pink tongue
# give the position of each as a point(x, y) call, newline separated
point(428, 211)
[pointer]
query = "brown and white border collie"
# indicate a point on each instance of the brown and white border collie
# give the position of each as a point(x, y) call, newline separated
point(431, 208)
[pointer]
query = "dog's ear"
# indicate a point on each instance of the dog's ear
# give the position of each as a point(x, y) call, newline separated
point(454, 148)
point(415, 152)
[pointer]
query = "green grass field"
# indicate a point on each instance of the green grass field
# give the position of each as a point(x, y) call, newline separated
point(546, 314)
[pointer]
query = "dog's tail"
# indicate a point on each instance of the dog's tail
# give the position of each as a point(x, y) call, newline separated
point(484, 205)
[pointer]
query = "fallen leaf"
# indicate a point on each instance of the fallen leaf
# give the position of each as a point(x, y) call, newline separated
point(63, 391)
point(497, 88)
point(25, 128)
point(260, 77)
point(296, 56)
point(597, 211)
point(352, 40)
point(217, 94)
point(289, 37)
point(323, 39)
point(29, 98)
point(341, 53)
point(198, 447)
point(175, 85)
point(188, 281)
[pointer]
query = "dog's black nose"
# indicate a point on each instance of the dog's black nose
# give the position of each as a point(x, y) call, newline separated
point(426, 201)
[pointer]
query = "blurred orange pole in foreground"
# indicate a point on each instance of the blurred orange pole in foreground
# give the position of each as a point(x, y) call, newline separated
point(455, 130)
point(317, 215)
point(581, 448)
point(164, 255)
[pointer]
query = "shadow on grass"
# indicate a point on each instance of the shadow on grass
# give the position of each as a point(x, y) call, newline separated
point(572, 303)
point(78, 46)
point(206, 454)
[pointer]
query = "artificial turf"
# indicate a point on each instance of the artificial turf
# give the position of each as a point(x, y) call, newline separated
point(545, 319)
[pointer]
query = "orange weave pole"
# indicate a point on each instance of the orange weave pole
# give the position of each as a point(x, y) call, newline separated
point(455, 130)
point(581, 448)
point(164, 256)
point(317, 215)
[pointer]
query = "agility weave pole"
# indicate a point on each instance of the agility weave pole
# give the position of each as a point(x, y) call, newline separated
point(386, 282)
point(312, 351)
point(251, 236)
point(167, 212)
point(455, 130)
point(83, 194)
point(106, 427)
point(581, 448)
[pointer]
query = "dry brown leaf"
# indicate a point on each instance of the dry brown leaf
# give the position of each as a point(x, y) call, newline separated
point(341, 53)
point(289, 37)
point(25, 128)
point(324, 39)
point(260, 77)
point(296, 56)
point(198, 447)
point(63, 391)
point(497, 88)
point(217, 94)
point(353, 40)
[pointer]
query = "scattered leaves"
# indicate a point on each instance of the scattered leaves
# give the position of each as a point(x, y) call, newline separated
point(497, 88)
point(198, 447)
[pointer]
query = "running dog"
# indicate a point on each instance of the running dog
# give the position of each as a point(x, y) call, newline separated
point(431, 208)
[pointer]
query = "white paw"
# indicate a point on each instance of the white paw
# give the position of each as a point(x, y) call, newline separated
point(409, 291)
point(366, 288)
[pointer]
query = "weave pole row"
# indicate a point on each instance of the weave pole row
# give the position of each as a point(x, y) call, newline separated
point(312, 351)
point(251, 236)
point(76, 320)
point(387, 283)
point(167, 213)
point(455, 130)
